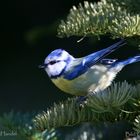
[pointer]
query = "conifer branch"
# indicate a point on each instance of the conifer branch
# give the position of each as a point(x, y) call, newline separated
point(62, 114)
point(131, 5)
point(99, 19)
point(111, 98)
point(137, 124)
point(109, 105)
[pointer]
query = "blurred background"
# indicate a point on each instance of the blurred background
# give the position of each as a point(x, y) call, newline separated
point(28, 34)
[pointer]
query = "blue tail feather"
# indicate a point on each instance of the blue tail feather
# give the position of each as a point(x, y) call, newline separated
point(130, 60)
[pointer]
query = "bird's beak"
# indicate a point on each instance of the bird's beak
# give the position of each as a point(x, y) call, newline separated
point(42, 66)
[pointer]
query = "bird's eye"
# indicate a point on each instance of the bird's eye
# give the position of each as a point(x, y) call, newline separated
point(53, 62)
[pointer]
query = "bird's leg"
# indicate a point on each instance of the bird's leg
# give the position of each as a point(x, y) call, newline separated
point(81, 101)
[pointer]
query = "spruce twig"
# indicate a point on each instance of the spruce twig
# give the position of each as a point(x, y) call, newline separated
point(109, 105)
point(99, 19)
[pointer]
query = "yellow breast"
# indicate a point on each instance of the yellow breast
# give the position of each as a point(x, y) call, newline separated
point(74, 87)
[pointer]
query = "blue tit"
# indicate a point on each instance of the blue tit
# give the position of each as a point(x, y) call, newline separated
point(86, 75)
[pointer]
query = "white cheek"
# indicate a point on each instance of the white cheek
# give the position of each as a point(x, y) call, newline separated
point(55, 69)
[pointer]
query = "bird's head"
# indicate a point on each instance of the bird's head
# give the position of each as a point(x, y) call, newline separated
point(56, 62)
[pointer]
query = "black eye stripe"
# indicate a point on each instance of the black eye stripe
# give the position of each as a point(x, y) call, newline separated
point(53, 62)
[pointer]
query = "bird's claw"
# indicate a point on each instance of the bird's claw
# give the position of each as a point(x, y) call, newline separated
point(81, 101)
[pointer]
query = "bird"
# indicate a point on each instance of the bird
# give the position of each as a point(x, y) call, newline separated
point(86, 75)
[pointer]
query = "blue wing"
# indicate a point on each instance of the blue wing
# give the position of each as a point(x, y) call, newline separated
point(86, 62)
point(94, 58)
point(77, 68)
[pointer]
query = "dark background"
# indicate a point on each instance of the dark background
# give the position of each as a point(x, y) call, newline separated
point(28, 31)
